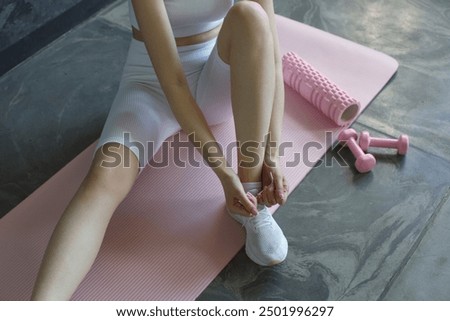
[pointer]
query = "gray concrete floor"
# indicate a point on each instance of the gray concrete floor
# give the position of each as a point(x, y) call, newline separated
point(379, 236)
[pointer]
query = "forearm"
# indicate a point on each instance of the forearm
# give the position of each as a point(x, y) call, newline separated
point(160, 43)
point(193, 123)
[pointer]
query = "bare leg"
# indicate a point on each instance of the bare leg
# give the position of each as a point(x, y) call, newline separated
point(78, 235)
point(245, 43)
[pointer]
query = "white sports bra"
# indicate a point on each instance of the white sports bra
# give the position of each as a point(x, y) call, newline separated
point(190, 17)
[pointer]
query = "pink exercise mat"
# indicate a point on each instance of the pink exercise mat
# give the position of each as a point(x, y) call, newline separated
point(171, 236)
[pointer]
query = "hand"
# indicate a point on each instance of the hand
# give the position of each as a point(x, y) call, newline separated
point(275, 186)
point(237, 201)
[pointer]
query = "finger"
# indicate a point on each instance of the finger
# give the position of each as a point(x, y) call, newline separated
point(248, 204)
point(259, 197)
point(270, 194)
point(279, 190)
point(271, 178)
point(239, 208)
point(266, 196)
point(262, 197)
point(286, 187)
point(285, 184)
point(252, 199)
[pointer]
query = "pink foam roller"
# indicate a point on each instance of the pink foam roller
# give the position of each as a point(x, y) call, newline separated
point(335, 103)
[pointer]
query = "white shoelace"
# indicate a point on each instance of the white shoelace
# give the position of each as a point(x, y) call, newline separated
point(258, 222)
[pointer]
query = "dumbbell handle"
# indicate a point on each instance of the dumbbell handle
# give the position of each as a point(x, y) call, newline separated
point(401, 144)
point(384, 142)
point(354, 147)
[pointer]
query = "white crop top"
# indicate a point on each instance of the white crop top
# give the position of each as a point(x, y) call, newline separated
point(190, 17)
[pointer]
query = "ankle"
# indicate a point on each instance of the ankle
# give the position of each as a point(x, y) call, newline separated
point(252, 187)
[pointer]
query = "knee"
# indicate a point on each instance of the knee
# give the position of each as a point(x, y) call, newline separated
point(249, 18)
point(113, 171)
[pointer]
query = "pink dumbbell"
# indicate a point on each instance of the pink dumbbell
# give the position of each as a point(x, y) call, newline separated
point(401, 144)
point(364, 162)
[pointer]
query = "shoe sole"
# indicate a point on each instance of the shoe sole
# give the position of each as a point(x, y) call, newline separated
point(271, 263)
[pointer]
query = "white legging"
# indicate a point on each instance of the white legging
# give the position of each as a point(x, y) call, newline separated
point(140, 115)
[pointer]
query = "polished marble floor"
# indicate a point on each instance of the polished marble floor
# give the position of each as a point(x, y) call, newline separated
point(378, 236)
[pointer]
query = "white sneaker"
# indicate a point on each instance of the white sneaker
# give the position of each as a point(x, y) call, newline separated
point(265, 242)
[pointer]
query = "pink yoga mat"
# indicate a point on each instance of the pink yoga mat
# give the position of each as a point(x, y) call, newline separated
point(171, 236)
